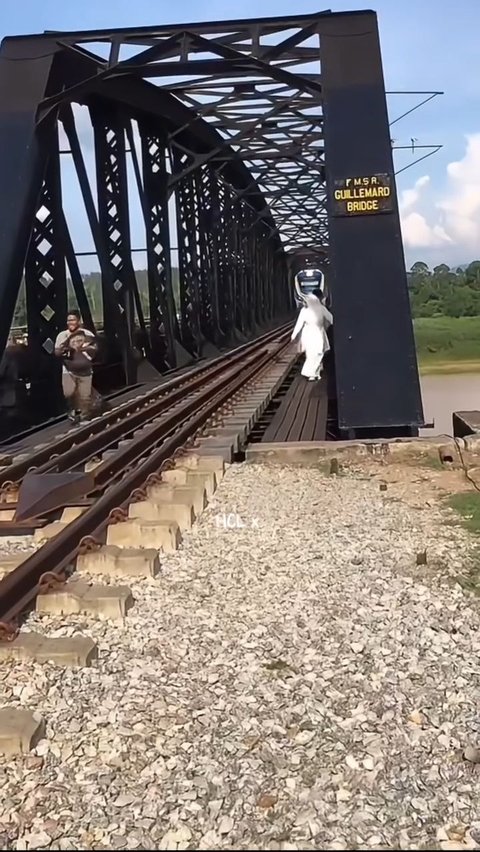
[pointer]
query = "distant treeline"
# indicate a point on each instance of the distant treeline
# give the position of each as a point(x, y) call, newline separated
point(444, 292)
point(441, 292)
point(93, 287)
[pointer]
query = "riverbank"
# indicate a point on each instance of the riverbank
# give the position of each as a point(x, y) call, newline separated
point(448, 345)
point(448, 368)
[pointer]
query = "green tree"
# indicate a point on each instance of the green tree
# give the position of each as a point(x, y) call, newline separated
point(472, 275)
point(20, 313)
point(442, 269)
point(443, 291)
point(420, 268)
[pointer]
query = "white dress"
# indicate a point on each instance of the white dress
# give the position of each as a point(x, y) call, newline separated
point(312, 327)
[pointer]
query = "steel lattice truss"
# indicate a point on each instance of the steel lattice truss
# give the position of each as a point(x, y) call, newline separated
point(259, 85)
point(223, 126)
point(228, 135)
point(271, 121)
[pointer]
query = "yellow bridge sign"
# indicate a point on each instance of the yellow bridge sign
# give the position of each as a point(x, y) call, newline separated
point(359, 196)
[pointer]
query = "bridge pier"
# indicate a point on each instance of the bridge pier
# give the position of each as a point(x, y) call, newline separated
point(377, 384)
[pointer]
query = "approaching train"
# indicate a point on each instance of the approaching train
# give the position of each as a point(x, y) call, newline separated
point(306, 281)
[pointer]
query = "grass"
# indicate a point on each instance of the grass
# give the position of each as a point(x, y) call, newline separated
point(448, 344)
point(431, 462)
point(443, 368)
point(468, 507)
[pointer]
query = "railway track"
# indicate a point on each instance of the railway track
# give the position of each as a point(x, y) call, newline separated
point(120, 422)
point(128, 468)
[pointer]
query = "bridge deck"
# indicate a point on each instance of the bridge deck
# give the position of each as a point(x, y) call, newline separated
point(38, 433)
point(302, 414)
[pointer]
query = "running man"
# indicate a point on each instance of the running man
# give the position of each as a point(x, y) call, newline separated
point(77, 348)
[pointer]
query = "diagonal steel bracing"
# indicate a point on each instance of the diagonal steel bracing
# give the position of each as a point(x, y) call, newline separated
point(226, 138)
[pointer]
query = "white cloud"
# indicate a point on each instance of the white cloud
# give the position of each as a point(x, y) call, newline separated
point(83, 126)
point(449, 222)
point(409, 197)
point(417, 233)
point(461, 206)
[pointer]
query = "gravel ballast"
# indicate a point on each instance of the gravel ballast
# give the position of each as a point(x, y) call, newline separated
point(291, 680)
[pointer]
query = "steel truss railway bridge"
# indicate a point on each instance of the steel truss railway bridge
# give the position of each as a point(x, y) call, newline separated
point(252, 144)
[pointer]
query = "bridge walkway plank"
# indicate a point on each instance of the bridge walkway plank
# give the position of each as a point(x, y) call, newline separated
point(302, 414)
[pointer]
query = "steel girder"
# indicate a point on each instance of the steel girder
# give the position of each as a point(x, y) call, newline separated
point(222, 219)
point(164, 329)
point(235, 146)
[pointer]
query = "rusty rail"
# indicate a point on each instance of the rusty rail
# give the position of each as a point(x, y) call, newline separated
point(50, 457)
point(104, 440)
point(20, 587)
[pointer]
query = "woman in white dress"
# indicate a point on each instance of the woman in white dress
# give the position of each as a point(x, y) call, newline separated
point(311, 327)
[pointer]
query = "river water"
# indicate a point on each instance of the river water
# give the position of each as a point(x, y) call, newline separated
point(445, 394)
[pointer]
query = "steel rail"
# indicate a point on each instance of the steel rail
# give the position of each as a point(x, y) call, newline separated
point(100, 442)
point(107, 473)
point(40, 458)
point(20, 587)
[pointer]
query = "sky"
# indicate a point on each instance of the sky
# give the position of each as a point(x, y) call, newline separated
point(427, 45)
